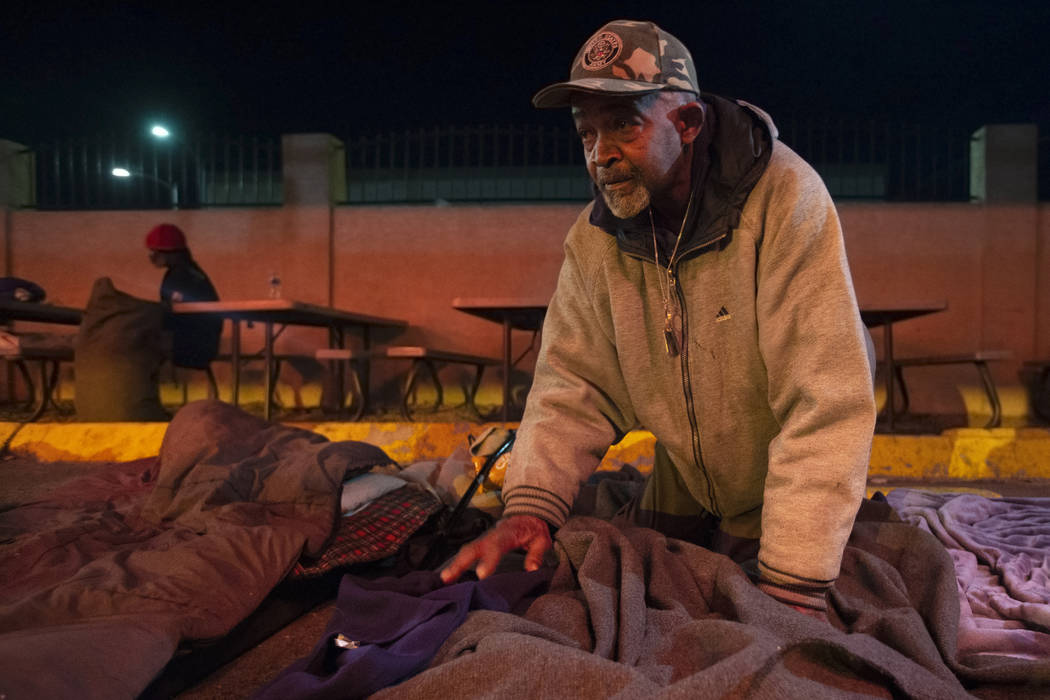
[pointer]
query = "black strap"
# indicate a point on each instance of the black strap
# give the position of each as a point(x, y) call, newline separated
point(450, 519)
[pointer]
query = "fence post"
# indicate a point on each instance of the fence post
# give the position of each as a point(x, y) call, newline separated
point(17, 176)
point(1003, 161)
point(313, 169)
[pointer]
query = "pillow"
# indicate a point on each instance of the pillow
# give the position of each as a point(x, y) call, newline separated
point(365, 488)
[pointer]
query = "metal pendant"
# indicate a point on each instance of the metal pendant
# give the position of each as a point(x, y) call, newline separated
point(670, 342)
point(671, 318)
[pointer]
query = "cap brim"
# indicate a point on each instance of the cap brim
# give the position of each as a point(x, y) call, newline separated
point(560, 94)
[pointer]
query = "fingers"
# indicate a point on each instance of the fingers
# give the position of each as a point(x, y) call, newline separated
point(522, 531)
point(486, 552)
point(464, 559)
point(490, 556)
point(534, 552)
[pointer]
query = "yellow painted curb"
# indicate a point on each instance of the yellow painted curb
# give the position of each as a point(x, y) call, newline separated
point(409, 442)
point(968, 453)
point(965, 453)
point(910, 456)
point(85, 442)
point(405, 442)
point(1002, 453)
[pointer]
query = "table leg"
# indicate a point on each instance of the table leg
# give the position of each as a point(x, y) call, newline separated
point(890, 374)
point(366, 366)
point(235, 359)
point(506, 368)
point(337, 338)
point(47, 385)
point(268, 363)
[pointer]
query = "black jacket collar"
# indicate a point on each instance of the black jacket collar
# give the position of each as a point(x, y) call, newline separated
point(738, 147)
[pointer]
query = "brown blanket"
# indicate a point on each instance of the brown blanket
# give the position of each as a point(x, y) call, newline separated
point(632, 614)
point(100, 582)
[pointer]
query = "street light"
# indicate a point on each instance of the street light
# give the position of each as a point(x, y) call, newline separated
point(173, 186)
point(177, 145)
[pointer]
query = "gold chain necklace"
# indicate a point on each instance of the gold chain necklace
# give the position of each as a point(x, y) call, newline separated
point(670, 294)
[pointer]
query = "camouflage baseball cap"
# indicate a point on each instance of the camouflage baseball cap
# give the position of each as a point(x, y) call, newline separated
point(623, 58)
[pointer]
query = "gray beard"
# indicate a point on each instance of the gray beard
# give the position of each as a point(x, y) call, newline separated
point(627, 206)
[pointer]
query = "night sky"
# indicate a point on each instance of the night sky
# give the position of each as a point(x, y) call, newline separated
point(232, 67)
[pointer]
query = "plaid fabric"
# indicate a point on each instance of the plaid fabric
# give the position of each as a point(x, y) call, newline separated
point(375, 532)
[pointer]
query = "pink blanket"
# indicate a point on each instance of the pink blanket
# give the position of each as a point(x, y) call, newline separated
point(1001, 550)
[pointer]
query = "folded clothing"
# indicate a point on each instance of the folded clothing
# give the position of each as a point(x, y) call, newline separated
point(374, 532)
point(384, 631)
point(365, 488)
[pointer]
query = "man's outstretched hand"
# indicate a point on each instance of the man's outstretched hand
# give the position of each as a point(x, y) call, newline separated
point(516, 532)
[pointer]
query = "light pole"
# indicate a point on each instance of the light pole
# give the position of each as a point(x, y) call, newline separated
point(173, 186)
point(177, 144)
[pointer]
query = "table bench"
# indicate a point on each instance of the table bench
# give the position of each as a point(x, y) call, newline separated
point(419, 358)
point(278, 361)
point(978, 359)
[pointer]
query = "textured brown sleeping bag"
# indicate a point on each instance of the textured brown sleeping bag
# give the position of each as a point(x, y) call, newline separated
point(102, 580)
point(118, 354)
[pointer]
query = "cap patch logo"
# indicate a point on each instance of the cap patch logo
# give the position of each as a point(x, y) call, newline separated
point(601, 50)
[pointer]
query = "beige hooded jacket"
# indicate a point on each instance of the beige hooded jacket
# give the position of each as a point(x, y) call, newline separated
point(768, 411)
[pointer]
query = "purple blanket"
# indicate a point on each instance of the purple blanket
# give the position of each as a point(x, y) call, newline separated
point(1001, 551)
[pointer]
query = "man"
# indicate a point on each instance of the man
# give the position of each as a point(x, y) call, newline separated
point(704, 296)
point(195, 341)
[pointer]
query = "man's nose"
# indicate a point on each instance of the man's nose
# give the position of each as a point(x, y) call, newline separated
point(606, 151)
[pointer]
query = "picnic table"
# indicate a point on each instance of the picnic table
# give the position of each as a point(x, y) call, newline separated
point(47, 356)
point(284, 312)
point(884, 317)
point(512, 313)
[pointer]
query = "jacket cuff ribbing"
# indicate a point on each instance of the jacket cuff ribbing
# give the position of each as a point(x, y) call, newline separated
point(793, 589)
point(812, 597)
point(541, 503)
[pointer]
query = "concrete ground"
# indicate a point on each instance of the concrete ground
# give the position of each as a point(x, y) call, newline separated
point(261, 664)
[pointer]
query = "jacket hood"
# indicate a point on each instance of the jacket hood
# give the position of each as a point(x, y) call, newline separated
point(738, 147)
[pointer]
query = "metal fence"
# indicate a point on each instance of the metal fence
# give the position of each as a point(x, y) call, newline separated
point(868, 159)
point(466, 163)
point(202, 171)
point(857, 159)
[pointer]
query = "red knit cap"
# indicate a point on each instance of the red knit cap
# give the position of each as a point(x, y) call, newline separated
point(166, 238)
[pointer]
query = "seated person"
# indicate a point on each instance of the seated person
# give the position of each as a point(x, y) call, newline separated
point(195, 340)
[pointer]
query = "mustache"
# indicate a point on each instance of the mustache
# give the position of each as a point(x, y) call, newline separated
point(610, 175)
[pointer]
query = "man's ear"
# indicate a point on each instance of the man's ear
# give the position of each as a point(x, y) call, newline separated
point(689, 120)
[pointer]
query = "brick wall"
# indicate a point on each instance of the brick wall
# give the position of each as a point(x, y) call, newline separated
point(988, 262)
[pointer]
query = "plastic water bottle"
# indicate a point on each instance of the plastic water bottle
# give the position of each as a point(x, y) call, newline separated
point(275, 286)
